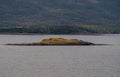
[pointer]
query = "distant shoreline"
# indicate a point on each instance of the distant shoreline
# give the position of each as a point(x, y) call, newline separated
point(43, 34)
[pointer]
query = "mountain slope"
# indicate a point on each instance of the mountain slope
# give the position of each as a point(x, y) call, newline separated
point(58, 12)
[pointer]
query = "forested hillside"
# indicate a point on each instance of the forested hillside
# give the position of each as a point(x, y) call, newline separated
point(36, 13)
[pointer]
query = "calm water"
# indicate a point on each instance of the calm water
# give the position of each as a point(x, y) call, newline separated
point(60, 61)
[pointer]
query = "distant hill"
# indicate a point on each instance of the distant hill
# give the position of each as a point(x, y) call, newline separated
point(36, 13)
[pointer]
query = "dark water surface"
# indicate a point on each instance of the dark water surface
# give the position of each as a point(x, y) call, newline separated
point(60, 61)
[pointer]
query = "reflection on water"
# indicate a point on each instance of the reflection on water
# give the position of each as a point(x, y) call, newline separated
point(60, 61)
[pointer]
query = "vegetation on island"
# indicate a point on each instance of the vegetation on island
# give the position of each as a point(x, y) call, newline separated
point(56, 41)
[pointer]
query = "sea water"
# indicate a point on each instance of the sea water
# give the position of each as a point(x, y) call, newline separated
point(60, 61)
